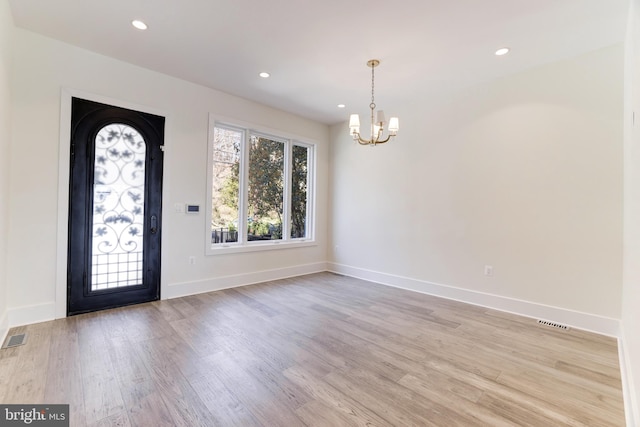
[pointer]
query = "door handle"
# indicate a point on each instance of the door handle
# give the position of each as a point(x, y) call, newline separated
point(154, 224)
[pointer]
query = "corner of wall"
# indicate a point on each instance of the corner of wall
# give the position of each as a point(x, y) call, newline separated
point(27, 315)
point(6, 30)
point(629, 343)
point(629, 393)
point(4, 326)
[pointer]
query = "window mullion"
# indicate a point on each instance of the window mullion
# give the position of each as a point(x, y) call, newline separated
point(243, 184)
point(311, 196)
point(286, 190)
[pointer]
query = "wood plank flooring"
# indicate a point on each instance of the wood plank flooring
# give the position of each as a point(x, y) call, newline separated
point(317, 350)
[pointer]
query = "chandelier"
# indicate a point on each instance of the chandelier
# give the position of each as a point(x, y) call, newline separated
point(377, 125)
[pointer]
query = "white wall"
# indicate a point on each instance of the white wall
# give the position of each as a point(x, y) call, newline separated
point(42, 67)
point(6, 30)
point(523, 173)
point(631, 288)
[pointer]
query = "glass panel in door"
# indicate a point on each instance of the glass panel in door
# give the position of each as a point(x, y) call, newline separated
point(118, 208)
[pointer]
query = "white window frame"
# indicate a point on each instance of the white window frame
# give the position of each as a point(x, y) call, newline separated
point(289, 140)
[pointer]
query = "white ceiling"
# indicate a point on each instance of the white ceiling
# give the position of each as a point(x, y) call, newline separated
point(316, 51)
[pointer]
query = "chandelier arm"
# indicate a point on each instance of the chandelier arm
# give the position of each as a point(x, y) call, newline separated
point(360, 140)
point(372, 141)
point(384, 140)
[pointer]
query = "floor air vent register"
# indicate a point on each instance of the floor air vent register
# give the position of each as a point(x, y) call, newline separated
point(15, 340)
point(553, 325)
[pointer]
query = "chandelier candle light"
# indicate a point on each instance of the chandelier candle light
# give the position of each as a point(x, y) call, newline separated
point(377, 125)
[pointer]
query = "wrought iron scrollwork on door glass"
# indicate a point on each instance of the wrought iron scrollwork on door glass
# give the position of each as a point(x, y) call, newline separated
point(118, 207)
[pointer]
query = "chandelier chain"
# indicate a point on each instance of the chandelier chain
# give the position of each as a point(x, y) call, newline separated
point(373, 102)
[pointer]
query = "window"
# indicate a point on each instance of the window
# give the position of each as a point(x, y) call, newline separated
point(225, 196)
point(299, 190)
point(261, 189)
point(265, 189)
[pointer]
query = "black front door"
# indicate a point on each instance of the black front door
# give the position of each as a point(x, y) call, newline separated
point(115, 204)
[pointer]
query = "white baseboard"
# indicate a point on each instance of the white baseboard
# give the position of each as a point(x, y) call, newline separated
point(176, 290)
point(575, 319)
point(29, 314)
point(26, 315)
point(4, 327)
point(603, 325)
point(629, 392)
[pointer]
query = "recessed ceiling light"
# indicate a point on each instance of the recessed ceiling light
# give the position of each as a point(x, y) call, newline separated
point(264, 75)
point(139, 24)
point(502, 51)
point(341, 106)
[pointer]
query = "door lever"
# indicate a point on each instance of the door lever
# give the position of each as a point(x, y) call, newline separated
point(154, 224)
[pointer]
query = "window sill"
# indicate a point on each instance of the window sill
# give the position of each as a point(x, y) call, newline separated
point(257, 246)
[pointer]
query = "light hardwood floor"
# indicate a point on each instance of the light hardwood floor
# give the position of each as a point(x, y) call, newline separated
point(317, 350)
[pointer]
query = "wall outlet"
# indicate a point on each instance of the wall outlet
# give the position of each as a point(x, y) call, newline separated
point(488, 270)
